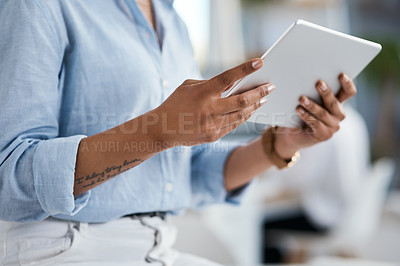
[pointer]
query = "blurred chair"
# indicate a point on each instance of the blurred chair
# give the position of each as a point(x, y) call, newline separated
point(359, 223)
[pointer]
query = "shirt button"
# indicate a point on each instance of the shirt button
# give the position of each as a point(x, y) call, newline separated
point(147, 35)
point(169, 187)
point(165, 83)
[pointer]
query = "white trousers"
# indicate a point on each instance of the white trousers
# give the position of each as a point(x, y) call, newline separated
point(141, 241)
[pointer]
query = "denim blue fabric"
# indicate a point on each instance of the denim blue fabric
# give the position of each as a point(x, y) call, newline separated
point(73, 68)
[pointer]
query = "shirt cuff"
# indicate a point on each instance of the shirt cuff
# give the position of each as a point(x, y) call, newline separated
point(209, 180)
point(54, 175)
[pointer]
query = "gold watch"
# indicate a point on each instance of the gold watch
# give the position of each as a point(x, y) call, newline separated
point(268, 142)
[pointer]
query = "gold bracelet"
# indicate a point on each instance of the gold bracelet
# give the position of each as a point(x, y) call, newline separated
point(268, 142)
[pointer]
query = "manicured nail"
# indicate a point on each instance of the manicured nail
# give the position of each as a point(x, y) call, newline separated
point(345, 78)
point(301, 111)
point(263, 100)
point(323, 86)
point(271, 88)
point(306, 101)
point(257, 64)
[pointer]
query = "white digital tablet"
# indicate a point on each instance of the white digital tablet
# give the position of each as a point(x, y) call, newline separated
point(304, 54)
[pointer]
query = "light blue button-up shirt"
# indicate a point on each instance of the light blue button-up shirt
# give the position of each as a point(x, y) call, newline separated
point(71, 69)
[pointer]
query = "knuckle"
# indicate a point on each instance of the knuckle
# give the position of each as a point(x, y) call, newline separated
point(244, 68)
point(240, 115)
point(310, 120)
point(332, 103)
point(243, 101)
point(323, 136)
point(322, 113)
point(225, 79)
point(263, 92)
point(342, 116)
point(186, 82)
point(329, 134)
point(211, 136)
point(235, 126)
point(317, 125)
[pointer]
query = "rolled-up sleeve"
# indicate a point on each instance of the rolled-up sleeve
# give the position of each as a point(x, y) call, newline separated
point(36, 165)
point(208, 181)
point(53, 172)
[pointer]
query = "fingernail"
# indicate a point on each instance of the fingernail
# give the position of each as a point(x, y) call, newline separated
point(257, 64)
point(301, 111)
point(306, 101)
point(323, 86)
point(263, 100)
point(345, 78)
point(271, 88)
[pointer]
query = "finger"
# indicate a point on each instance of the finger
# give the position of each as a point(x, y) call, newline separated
point(227, 129)
point(245, 99)
point(319, 112)
point(219, 83)
point(348, 89)
point(316, 128)
point(193, 81)
point(238, 116)
point(330, 101)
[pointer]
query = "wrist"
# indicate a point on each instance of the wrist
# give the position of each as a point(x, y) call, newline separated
point(285, 147)
point(268, 140)
point(151, 127)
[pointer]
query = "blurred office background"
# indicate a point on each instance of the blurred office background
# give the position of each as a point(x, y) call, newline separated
point(356, 196)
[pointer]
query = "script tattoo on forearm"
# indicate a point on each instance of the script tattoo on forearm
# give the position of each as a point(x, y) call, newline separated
point(111, 171)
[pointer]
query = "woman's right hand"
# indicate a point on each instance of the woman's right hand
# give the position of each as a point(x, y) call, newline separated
point(195, 112)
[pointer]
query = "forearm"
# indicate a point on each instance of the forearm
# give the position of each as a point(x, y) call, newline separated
point(107, 154)
point(250, 160)
point(244, 164)
point(186, 112)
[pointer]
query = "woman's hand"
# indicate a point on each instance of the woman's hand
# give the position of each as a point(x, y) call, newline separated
point(195, 113)
point(322, 121)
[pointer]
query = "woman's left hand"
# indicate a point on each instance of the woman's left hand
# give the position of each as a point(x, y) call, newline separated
point(322, 121)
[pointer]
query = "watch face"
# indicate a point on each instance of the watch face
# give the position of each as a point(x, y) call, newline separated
point(294, 159)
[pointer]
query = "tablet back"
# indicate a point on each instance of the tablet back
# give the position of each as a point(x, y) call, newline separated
point(305, 54)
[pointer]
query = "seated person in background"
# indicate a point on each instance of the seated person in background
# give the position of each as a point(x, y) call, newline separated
point(325, 181)
point(95, 126)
